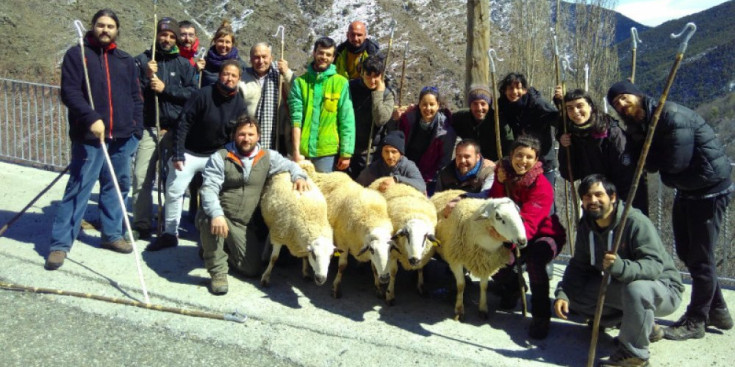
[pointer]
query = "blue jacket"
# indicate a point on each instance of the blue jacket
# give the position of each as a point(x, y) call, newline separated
point(113, 79)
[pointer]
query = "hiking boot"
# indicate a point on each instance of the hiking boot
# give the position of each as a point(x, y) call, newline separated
point(118, 245)
point(55, 260)
point(141, 233)
point(720, 318)
point(622, 357)
point(219, 284)
point(163, 241)
point(657, 333)
point(686, 328)
point(539, 328)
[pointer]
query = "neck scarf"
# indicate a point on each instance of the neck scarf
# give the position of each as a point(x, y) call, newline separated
point(216, 60)
point(470, 173)
point(268, 107)
point(189, 52)
point(225, 90)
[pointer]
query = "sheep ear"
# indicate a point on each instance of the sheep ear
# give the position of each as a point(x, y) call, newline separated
point(363, 249)
point(401, 232)
point(433, 239)
point(486, 212)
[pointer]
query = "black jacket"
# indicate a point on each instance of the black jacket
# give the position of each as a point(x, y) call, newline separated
point(113, 79)
point(466, 127)
point(179, 77)
point(685, 150)
point(535, 116)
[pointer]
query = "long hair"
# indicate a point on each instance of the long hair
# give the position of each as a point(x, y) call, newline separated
point(598, 120)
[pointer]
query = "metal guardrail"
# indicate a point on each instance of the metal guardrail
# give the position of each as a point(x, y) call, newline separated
point(34, 129)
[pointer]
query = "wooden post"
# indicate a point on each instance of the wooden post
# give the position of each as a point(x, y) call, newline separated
point(478, 42)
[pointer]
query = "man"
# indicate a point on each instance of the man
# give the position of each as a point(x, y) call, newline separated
point(393, 164)
point(171, 78)
point(644, 281)
point(233, 181)
point(469, 171)
point(259, 86)
point(322, 119)
point(351, 53)
point(188, 43)
point(478, 123)
point(115, 120)
point(688, 157)
point(373, 104)
point(205, 126)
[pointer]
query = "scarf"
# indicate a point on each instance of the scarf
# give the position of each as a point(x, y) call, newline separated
point(189, 52)
point(225, 90)
point(268, 107)
point(470, 173)
point(515, 181)
point(216, 60)
point(173, 51)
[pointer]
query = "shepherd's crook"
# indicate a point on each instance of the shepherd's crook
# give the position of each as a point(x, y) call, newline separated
point(282, 30)
point(638, 173)
point(80, 31)
point(634, 39)
point(159, 163)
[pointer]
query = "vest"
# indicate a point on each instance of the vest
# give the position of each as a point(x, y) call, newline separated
point(239, 198)
point(473, 184)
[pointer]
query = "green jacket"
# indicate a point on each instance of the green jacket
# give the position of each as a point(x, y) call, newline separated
point(321, 107)
point(641, 255)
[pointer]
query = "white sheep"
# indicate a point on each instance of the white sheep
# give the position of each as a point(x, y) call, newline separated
point(359, 219)
point(466, 241)
point(299, 221)
point(414, 220)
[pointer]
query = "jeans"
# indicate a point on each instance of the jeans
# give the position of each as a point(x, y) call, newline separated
point(324, 164)
point(697, 224)
point(86, 168)
point(176, 184)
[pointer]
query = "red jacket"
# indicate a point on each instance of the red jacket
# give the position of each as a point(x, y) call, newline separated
point(533, 193)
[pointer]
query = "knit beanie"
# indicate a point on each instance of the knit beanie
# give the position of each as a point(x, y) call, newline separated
point(479, 92)
point(168, 24)
point(624, 87)
point(397, 140)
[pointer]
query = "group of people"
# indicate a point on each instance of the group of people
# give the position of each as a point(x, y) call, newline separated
point(179, 116)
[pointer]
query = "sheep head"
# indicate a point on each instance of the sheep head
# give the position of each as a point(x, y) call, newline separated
point(413, 239)
point(378, 242)
point(505, 219)
point(319, 254)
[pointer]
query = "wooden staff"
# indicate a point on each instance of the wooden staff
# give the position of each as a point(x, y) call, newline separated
point(403, 76)
point(159, 163)
point(638, 173)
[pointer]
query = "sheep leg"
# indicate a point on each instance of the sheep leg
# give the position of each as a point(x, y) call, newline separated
point(458, 272)
point(378, 289)
point(336, 290)
point(265, 280)
point(390, 293)
point(420, 282)
point(483, 297)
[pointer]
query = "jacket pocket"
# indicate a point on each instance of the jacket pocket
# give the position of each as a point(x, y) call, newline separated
point(331, 101)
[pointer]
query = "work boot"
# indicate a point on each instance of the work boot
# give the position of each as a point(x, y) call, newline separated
point(720, 318)
point(219, 284)
point(55, 260)
point(539, 328)
point(141, 233)
point(163, 241)
point(118, 245)
point(685, 328)
point(622, 357)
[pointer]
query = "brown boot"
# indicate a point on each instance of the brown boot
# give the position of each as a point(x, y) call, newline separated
point(55, 260)
point(219, 284)
point(119, 245)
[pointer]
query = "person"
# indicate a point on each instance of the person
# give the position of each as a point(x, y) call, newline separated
point(322, 118)
point(352, 52)
point(469, 171)
point(188, 43)
point(597, 144)
point(116, 121)
point(527, 113)
point(392, 164)
point(233, 181)
point(644, 283)
point(222, 49)
point(259, 86)
point(478, 123)
point(520, 177)
point(373, 104)
point(688, 156)
point(205, 126)
point(171, 79)
point(429, 135)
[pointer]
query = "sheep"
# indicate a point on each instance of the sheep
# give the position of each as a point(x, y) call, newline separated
point(359, 219)
point(466, 241)
point(299, 221)
point(414, 219)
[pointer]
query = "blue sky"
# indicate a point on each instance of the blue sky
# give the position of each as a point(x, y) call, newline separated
point(655, 12)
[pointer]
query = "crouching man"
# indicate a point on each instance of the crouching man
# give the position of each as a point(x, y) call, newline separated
point(644, 282)
point(233, 180)
point(393, 163)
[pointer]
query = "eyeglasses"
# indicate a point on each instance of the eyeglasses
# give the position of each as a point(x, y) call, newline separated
point(185, 34)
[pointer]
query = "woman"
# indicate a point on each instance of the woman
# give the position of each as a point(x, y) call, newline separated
point(597, 144)
point(521, 177)
point(222, 49)
point(429, 135)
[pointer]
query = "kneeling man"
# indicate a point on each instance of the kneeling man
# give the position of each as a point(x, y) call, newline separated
point(644, 282)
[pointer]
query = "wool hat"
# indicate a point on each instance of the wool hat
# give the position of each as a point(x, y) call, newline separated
point(168, 24)
point(397, 140)
point(623, 87)
point(480, 92)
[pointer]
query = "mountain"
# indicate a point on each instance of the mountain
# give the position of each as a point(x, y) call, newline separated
point(707, 70)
